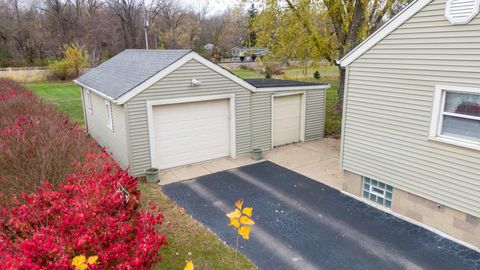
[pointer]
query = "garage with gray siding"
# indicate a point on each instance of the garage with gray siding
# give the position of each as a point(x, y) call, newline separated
point(173, 107)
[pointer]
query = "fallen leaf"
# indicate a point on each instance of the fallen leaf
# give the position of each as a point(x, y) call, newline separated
point(92, 259)
point(244, 232)
point(247, 211)
point(189, 266)
point(246, 220)
point(78, 260)
point(234, 222)
point(235, 214)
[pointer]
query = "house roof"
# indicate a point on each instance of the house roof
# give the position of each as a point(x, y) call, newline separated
point(383, 31)
point(267, 83)
point(128, 69)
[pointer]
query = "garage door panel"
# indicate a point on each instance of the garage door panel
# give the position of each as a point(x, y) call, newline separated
point(191, 132)
point(287, 111)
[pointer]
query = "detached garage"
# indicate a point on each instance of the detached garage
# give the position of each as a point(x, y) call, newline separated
point(169, 108)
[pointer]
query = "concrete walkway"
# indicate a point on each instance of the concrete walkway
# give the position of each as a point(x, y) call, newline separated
point(318, 160)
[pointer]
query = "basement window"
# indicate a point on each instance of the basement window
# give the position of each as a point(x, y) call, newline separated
point(456, 116)
point(377, 192)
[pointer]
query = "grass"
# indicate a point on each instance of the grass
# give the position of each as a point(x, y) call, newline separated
point(65, 95)
point(329, 74)
point(187, 238)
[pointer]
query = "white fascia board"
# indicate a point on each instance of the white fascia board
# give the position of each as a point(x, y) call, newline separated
point(292, 88)
point(383, 31)
point(109, 98)
point(174, 66)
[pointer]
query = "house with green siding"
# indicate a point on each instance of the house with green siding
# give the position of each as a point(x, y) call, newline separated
point(411, 119)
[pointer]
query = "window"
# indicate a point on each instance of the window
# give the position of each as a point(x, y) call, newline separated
point(377, 191)
point(88, 100)
point(108, 108)
point(456, 116)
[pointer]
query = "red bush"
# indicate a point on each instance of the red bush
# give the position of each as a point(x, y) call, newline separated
point(96, 212)
point(37, 142)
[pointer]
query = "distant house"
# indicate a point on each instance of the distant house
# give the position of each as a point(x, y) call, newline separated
point(168, 108)
point(411, 130)
point(238, 52)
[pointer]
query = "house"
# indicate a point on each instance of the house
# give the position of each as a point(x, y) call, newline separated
point(238, 52)
point(411, 120)
point(168, 108)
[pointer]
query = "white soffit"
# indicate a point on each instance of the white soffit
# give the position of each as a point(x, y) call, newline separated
point(461, 11)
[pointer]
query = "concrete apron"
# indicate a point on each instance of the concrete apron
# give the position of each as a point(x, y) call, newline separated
point(318, 160)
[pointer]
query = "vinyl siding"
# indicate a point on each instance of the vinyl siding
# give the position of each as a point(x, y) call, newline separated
point(389, 103)
point(178, 85)
point(262, 113)
point(114, 141)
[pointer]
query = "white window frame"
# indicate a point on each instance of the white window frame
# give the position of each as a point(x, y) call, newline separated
point(88, 99)
point(438, 113)
point(108, 111)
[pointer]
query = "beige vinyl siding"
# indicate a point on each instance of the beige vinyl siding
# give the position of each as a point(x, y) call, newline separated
point(389, 104)
point(262, 117)
point(178, 85)
point(315, 115)
point(114, 141)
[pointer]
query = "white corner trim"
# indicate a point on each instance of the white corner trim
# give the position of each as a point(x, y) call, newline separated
point(436, 120)
point(383, 31)
point(411, 220)
point(151, 130)
point(176, 65)
point(302, 113)
point(344, 114)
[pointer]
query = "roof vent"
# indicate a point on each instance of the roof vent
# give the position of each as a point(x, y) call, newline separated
point(461, 11)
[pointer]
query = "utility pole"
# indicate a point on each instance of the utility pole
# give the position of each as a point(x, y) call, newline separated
point(145, 25)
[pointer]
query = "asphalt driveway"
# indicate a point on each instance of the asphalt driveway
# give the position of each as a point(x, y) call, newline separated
point(303, 224)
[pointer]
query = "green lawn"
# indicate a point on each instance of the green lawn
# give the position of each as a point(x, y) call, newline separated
point(329, 74)
point(187, 238)
point(65, 95)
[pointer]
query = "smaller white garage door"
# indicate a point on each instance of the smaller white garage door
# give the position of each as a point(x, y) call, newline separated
point(186, 133)
point(287, 117)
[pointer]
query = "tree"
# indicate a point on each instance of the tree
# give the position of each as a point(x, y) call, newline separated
point(75, 57)
point(252, 35)
point(332, 27)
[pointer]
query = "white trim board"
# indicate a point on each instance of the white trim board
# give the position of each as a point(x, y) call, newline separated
point(151, 131)
point(302, 114)
point(408, 12)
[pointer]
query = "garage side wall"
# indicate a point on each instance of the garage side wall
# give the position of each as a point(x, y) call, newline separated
point(262, 117)
point(389, 106)
point(178, 85)
point(114, 141)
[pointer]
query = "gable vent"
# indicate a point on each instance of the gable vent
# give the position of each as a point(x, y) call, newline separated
point(461, 11)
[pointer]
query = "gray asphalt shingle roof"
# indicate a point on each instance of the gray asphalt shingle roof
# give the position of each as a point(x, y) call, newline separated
point(263, 83)
point(128, 69)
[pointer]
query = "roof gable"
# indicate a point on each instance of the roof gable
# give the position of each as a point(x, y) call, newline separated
point(128, 69)
point(408, 12)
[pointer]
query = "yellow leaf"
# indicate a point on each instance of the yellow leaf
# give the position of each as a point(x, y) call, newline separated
point(234, 214)
point(244, 232)
point(234, 222)
point(239, 204)
point(78, 260)
point(247, 211)
point(246, 220)
point(92, 259)
point(189, 266)
point(82, 266)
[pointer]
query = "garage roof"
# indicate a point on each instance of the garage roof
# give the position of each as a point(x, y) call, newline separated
point(267, 83)
point(128, 69)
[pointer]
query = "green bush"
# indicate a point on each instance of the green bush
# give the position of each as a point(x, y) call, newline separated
point(59, 69)
point(316, 75)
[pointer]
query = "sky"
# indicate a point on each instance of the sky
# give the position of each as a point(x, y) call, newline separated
point(214, 6)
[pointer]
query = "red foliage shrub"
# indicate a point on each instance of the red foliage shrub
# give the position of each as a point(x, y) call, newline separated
point(96, 212)
point(37, 142)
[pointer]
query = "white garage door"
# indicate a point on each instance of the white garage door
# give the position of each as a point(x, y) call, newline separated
point(287, 116)
point(191, 132)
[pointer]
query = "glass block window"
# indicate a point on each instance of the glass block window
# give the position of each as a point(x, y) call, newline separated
point(377, 191)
